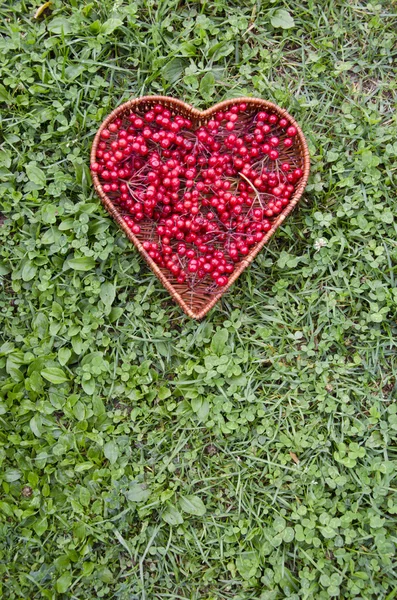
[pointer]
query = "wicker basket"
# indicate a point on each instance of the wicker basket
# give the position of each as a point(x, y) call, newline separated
point(197, 303)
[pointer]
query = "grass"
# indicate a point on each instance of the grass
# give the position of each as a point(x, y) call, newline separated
point(248, 456)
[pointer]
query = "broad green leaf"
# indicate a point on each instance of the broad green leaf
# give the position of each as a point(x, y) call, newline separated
point(98, 406)
point(110, 25)
point(105, 575)
point(204, 410)
point(6, 509)
point(4, 269)
point(193, 505)
point(7, 348)
point(88, 568)
point(5, 96)
point(88, 386)
point(138, 492)
point(64, 582)
point(288, 534)
point(82, 263)
point(172, 516)
point(207, 84)
point(35, 425)
point(59, 25)
point(282, 18)
point(63, 355)
point(36, 175)
point(163, 392)
point(173, 70)
point(84, 466)
point(197, 403)
point(220, 50)
point(54, 375)
point(79, 411)
point(40, 325)
point(219, 341)
point(12, 475)
point(72, 72)
point(84, 496)
point(107, 293)
point(29, 270)
point(115, 313)
point(111, 451)
point(41, 526)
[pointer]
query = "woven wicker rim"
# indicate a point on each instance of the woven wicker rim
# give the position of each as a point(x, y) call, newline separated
point(198, 117)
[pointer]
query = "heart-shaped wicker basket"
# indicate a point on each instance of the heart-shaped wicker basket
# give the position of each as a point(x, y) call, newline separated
point(196, 303)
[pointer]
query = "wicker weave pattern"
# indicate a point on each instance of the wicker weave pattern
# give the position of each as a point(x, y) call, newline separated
point(197, 303)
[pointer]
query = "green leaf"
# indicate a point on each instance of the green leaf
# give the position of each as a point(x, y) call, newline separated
point(138, 492)
point(98, 406)
point(64, 582)
point(173, 70)
point(193, 505)
point(59, 25)
point(282, 18)
point(219, 341)
point(83, 263)
point(79, 411)
point(4, 269)
point(35, 425)
point(36, 175)
point(288, 534)
point(40, 526)
point(63, 355)
point(115, 313)
point(196, 403)
point(107, 293)
point(387, 217)
point(111, 452)
point(40, 325)
point(207, 84)
point(110, 25)
point(54, 375)
point(88, 386)
point(172, 516)
point(105, 575)
point(84, 466)
point(220, 50)
point(204, 410)
point(12, 475)
point(29, 270)
point(84, 496)
point(163, 392)
point(4, 95)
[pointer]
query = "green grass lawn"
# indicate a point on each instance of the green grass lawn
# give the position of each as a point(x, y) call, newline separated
point(145, 456)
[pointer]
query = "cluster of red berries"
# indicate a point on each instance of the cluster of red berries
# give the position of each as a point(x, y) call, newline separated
point(210, 193)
